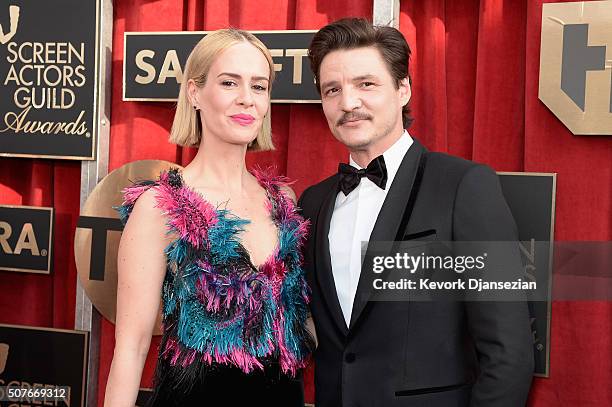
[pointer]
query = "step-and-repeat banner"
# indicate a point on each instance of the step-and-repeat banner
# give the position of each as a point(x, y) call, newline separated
point(153, 64)
point(42, 366)
point(531, 198)
point(48, 78)
point(575, 81)
point(26, 238)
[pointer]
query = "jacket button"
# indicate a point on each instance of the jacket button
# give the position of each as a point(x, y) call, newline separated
point(349, 357)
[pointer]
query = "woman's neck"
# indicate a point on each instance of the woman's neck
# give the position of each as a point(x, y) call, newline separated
point(219, 165)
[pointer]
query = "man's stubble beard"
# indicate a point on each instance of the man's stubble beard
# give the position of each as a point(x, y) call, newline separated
point(376, 136)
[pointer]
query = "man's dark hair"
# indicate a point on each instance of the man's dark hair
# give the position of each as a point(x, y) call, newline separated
point(350, 33)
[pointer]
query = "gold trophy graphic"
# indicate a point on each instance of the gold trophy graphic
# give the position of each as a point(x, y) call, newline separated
point(4, 350)
point(14, 22)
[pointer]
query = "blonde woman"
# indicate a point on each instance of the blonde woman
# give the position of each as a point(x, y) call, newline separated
point(221, 245)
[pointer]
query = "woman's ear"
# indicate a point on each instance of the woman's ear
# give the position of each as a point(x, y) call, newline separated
point(192, 93)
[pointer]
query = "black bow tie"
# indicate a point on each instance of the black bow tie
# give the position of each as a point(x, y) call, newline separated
point(350, 177)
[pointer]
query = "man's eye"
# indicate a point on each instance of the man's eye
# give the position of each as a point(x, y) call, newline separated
point(331, 91)
point(367, 84)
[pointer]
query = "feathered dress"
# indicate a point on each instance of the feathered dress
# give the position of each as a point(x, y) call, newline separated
point(233, 333)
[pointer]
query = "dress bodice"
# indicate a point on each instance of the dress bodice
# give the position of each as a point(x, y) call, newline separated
point(217, 306)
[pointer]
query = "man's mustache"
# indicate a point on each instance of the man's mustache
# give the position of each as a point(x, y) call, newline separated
point(353, 116)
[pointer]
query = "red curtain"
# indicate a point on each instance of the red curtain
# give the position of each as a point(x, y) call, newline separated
point(475, 78)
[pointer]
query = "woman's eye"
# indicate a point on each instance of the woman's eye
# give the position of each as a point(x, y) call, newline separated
point(228, 83)
point(260, 88)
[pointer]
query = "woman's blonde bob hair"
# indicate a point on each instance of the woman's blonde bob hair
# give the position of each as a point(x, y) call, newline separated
point(186, 127)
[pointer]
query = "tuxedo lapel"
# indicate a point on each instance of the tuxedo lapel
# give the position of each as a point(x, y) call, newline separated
point(390, 217)
point(324, 273)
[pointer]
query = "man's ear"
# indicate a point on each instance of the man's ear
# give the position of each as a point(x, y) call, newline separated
point(405, 91)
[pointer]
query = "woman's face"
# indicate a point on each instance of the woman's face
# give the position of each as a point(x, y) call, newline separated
point(235, 98)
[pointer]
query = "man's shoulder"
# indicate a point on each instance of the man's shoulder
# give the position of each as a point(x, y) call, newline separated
point(455, 169)
point(447, 162)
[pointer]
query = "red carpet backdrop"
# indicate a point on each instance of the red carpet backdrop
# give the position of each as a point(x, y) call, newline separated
point(475, 94)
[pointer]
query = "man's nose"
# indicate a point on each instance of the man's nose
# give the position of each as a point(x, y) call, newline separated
point(349, 100)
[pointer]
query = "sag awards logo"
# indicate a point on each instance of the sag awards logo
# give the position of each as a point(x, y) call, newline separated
point(13, 21)
point(4, 350)
point(576, 65)
point(41, 76)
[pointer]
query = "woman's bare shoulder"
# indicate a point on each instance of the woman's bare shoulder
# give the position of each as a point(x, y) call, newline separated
point(146, 204)
point(147, 217)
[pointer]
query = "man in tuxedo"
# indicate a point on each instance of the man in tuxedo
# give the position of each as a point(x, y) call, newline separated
point(400, 353)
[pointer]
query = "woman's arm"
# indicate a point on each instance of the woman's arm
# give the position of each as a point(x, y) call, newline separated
point(141, 270)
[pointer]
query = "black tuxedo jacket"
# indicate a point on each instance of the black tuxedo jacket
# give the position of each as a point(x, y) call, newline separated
point(403, 353)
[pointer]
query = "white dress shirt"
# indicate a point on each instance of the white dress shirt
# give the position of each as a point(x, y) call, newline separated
point(352, 223)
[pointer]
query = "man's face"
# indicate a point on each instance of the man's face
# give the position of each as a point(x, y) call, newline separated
point(362, 105)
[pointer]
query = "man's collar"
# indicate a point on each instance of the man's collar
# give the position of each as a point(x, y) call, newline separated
point(393, 156)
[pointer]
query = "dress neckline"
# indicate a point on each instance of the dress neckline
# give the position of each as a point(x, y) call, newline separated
point(270, 204)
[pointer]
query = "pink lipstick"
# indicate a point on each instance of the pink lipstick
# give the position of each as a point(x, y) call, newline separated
point(243, 119)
